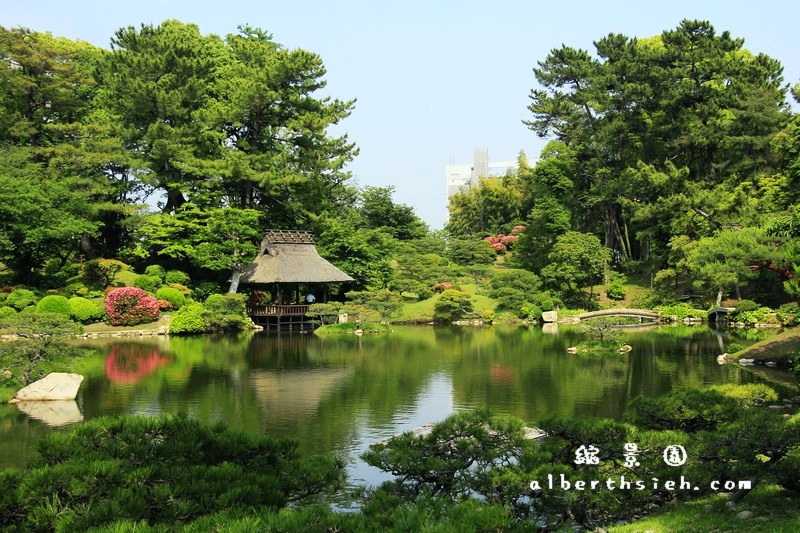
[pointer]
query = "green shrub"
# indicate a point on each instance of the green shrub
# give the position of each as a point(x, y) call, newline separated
point(20, 299)
point(680, 310)
point(177, 276)
point(147, 283)
point(173, 296)
point(54, 274)
point(6, 311)
point(743, 306)
point(762, 315)
point(794, 365)
point(734, 347)
point(531, 311)
point(84, 311)
point(509, 299)
point(451, 305)
point(226, 313)
point(188, 320)
point(54, 304)
point(157, 271)
point(616, 288)
point(748, 395)
point(205, 289)
point(101, 272)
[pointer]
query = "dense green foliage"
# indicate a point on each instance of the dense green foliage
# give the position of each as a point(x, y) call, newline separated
point(475, 455)
point(220, 313)
point(20, 299)
point(163, 471)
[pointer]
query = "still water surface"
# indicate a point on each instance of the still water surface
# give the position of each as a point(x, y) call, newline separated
point(341, 395)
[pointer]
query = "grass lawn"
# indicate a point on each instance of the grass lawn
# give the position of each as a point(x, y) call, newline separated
point(773, 510)
point(422, 311)
point(102, 327)
point(634, 287)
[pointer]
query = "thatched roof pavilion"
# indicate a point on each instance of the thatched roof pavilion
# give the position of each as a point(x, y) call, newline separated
point(290, 257)
point(287, 262)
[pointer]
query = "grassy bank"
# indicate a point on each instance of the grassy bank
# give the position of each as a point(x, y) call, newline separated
point(766, 509)
point(350, 328)
point(779, 348)
point(15, 362)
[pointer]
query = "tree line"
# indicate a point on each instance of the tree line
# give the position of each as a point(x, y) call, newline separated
point(678, 152)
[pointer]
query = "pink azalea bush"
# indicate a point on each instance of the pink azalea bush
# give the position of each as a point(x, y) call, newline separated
point(441, 287)
point(129, 306)
point(501, 242)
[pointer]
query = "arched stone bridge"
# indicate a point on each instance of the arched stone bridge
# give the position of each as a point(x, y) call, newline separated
point(635, 313)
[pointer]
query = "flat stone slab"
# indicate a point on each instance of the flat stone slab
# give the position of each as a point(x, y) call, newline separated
point(54, 386)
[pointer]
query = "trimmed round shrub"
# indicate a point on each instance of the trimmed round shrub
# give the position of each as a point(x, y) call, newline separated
point(129, 306)
point(156, 271)
point(743, 306)
point(84, 311)
point(20, 299)
point(173, 296)
point(147, 283)
point(188, 320)
point(6, 312)
point(177, 276)
point(54, 304)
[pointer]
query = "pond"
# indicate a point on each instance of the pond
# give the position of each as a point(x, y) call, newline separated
point(341, 395)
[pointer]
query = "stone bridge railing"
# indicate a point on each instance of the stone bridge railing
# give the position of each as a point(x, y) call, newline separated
point(635, 313)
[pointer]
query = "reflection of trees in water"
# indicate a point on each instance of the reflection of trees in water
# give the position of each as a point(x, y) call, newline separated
point(130, 363)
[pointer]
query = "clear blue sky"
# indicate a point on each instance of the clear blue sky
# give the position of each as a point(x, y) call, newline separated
point(433, 79)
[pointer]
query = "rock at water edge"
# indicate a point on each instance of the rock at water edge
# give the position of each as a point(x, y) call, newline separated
point(550, 316)
point(54, 386)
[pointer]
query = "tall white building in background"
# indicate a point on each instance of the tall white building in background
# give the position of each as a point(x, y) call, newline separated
point(467, 175)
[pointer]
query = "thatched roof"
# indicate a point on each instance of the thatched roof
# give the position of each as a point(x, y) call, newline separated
point(291, 257)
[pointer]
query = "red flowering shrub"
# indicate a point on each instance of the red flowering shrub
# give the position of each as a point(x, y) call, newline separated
point(129, 306)
point(441, 287)
point(164, 305)
point(501, 242)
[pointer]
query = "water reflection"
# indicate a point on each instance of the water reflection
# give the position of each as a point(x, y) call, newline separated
point(54, 413)
point(340, 395)
point(131, 362)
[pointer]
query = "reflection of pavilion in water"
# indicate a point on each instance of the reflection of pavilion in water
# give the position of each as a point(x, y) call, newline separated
point(289, 395)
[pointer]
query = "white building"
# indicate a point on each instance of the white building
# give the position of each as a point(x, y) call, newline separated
point(467, 175)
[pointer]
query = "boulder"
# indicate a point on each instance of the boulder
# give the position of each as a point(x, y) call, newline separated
point(550, 316)
point(54, 386)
